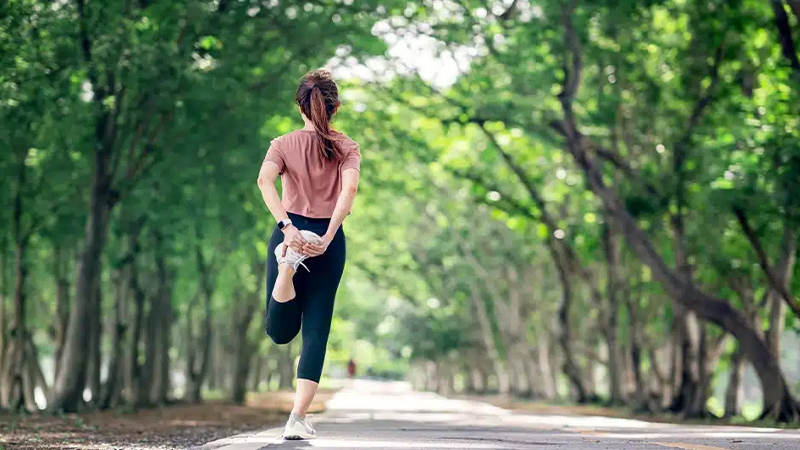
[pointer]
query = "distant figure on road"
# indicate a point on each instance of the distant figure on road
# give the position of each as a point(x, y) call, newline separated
point(319, 170)
point(351, 368)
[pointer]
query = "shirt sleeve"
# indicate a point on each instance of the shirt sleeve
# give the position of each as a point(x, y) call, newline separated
point(352, 159)
point(275, 155)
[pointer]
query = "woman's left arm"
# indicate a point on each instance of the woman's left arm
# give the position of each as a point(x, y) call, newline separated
point(267, 176)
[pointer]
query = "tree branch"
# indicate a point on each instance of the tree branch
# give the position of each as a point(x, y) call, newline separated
point(763, 262)
point(697, 112)
point(794, 5)
point(785, 34)
point(86, 44)
point(573, 73)
point(523, 178)
point(513, 205)
point(629, 172)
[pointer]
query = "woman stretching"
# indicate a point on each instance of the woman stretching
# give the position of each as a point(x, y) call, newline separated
point(319, 169)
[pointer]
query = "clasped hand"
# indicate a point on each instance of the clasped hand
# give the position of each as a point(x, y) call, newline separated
point(292, 238)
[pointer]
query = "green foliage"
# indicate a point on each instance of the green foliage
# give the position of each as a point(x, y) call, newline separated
point(460, 183)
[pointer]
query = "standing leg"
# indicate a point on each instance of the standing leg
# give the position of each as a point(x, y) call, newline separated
point(326, 272)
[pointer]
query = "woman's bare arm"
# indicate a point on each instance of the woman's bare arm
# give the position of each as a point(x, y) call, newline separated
point(345, 201)
point(266, 183)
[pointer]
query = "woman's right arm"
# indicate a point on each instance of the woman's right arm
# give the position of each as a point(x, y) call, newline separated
point(343, 205)
point(345, 201)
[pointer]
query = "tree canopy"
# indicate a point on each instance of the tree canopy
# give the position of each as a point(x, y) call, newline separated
point(584, 200)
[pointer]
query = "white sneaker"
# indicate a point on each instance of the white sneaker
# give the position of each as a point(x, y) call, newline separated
point(293, 258)
point(298, 428)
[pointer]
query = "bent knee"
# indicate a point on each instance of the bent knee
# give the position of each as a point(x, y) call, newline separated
point(280, 338)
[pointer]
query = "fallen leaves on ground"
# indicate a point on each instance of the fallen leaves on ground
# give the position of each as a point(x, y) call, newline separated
point(166, 428)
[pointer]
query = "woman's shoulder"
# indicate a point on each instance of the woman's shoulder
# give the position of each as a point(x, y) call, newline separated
point(299, 137)
point(346, 141)
point(292, 136)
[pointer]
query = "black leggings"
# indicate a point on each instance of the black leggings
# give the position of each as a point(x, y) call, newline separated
point(313, 306)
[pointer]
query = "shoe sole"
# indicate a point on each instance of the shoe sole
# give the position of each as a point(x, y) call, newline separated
point(294, 435)
point(297, 438)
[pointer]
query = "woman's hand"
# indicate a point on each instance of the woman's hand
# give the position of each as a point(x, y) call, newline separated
point(292, 238)
point(317, 249)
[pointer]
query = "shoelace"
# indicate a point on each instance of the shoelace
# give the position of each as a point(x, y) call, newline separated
point(295, 264)
point(304, 266)
point(307, 425)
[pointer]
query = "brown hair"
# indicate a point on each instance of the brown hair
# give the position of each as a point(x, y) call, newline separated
point(318, 98)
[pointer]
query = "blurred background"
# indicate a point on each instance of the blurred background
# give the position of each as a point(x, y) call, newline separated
point(560, 202)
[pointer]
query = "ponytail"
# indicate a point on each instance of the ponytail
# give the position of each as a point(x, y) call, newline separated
point(322, 124)
point(318, 98)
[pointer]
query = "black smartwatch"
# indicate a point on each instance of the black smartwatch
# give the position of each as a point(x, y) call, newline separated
point(283, 223)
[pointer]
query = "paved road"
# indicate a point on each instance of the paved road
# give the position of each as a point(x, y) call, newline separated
point(374, 415)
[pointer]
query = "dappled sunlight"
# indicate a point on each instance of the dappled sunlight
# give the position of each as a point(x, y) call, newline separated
point(370, 414)
point(563, 219)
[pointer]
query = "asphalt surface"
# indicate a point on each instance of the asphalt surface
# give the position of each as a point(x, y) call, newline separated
point(390, 416)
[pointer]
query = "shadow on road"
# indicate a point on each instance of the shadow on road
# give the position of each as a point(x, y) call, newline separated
point(389, 416)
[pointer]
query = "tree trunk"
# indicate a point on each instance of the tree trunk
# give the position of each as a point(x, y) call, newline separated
point(94, 361)
point(734, 393)
point(256, 374)
point(152, 334)
point(663, 385)
point(3, 326)
point(476, 377)
point(285, 367)
point(486, 330)
point(570, 367)
point(431, 377)
point(33, 377)
point(488, 341)
point(783, 273)
point(162, 327)
point(243, 349)
point(510, 316)
point(68, 389)
point(686, 328)
point(117, 328)
point(546, 367)
point(133, 369)
point(12, 392)
point(611, 328)
point(62, 308)
point(190, 389)
point(534, 375)
point(642, 391)
point(11, 395)
point(704, 376)
point(198, 361)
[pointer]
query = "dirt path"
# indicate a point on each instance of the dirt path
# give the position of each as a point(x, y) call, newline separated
point(168, 428)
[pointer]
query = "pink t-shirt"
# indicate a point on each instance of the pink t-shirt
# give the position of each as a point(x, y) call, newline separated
point(311, 184)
